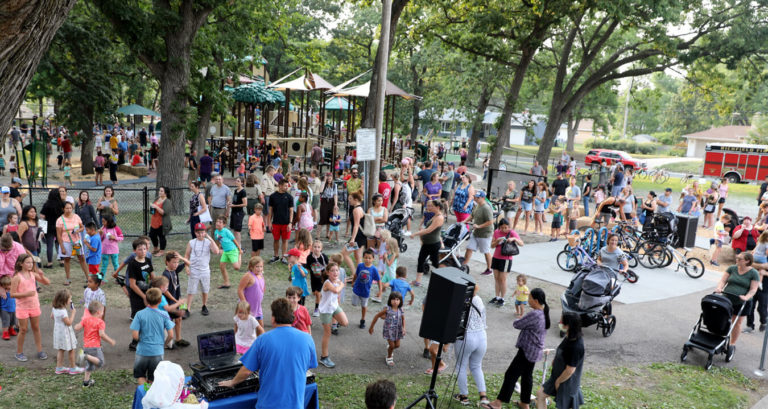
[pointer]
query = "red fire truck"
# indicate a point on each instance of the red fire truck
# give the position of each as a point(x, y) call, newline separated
point(737, 162)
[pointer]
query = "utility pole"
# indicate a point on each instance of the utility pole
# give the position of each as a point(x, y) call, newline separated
point(626, 108)
point(375, 168)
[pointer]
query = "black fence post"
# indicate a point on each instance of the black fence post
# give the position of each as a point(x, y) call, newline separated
point(490, 181)
point(146, 210)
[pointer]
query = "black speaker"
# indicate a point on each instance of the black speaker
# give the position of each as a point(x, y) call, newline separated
point(686, 230)
point(449, 298)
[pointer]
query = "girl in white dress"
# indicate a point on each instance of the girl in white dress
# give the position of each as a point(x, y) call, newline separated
point(64, 339)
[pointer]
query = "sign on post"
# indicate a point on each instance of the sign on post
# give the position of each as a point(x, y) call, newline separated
point(366, 144)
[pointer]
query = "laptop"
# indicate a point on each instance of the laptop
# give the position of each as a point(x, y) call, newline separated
point(216, 350)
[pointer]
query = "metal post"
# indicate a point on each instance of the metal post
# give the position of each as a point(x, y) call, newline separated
point(761, 371)
point(145, 213)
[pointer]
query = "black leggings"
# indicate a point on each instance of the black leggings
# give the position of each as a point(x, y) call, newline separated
point(51, 247)
point(428, 250)
point(156, 234)
point(519, 368)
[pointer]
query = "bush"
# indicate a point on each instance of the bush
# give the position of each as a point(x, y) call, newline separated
point(677, 152)
point(667, 138)
point(622, 145)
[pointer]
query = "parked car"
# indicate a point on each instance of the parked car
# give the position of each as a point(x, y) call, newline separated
point(596, 156)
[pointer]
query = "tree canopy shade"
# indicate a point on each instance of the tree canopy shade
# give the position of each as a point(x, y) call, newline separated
point(257, 93)
point(135, 109)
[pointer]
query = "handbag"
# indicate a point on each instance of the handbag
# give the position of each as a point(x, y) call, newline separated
point(76, 245)
point(205, 217)
point(509, 247)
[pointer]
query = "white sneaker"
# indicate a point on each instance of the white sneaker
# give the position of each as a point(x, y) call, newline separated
point(406, 233)
point(316, 313)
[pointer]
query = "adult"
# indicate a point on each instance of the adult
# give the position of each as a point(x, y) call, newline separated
point(192, 166)
point(537, 169)
point(282, 357)
point(329, 200)
point(744, 236)
point(52, 209)
point(107, 205)
point(29, 230)
point(564, 382)
point(66, 147)
point(384, 189)
point(16, 192)
point(433, 189)
point(607, 210)
point(206, 166)
point(10, 250)
point(197, 206)
point(430, 240)
point(470, 351)
point(482, 229)
point(527, 194)
point(160, 223)
point(316, 157)
point(280, 218)
point(462, 199)
point(98, 168)
point(559, 186)
point(586, 193)
point(357, 240)
point(448, 180)
point(739, 284)
point(8, 206)
point(68, 229)
point(618, 181)
point(628, 203)
point(612, 256)
point(664, 202)
point(268, 186)
point(501, 264)
point(113, 163)
point(530, 345)
point(354, 184)
point(763, 189)
point(85, 210)
point(722, 190)
point(143, 137)
point(690, 203)
point(510, 200)
point(381, 394)
point(648, 208)
point(378, 211)
point(239, 205)
point(220, 198)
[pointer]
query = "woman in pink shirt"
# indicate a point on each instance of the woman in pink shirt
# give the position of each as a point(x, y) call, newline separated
point(68, 229)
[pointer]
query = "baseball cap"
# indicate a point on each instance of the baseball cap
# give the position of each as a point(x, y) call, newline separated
point(669, 189)
point(16, 180)
point(354, 166)
point(480, 193)
point(294, 252)
point(200, 226)
point(5, 189)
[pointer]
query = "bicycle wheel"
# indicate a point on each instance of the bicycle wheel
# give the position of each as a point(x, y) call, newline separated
point(631, 276)
point(643, 254)
point(694, 267)
point(632, 260)
point(668, 258)
point(657, 255)
point(663, 178)
point(566, 261)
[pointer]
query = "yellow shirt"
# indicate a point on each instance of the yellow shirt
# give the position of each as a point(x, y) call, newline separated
point(522, 293)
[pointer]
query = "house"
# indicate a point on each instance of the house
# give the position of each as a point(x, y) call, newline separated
point(526, 128)
point(643, 138)
point(697, 142)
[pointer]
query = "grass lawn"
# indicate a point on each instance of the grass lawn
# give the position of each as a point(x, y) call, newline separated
point(693, 167)
point(653, 386)
point(734, 189)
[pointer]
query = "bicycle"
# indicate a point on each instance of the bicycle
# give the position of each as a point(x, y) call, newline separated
point(685, 178)
point(662, 255)
point(660, 176)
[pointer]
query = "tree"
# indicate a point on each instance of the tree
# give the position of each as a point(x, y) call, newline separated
point(21, 48)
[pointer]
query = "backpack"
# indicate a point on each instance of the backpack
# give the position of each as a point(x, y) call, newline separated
point(369, 225)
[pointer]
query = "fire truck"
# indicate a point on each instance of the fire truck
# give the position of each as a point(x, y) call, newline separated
point(737, 162)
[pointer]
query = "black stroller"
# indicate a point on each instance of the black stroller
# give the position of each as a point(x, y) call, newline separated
point(453, 237)
point(712, 332)
point(662, 228)
point(590, 294)
point(397, 223)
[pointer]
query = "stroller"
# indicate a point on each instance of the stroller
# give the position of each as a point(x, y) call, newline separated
point(396, 224)
point(590, 294)
point(712, 332)
point(456, 235)
point(662, 228)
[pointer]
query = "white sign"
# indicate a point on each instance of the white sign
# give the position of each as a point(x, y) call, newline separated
point(366, 144)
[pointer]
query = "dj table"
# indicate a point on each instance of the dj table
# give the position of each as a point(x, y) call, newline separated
point(247, 400)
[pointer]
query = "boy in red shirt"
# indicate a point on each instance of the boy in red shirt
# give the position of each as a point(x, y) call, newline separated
point(301, 319)
point(91, 356)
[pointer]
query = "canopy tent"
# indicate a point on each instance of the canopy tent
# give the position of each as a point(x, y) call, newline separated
point(337, 104)
point(135, 109)
point(306, 82)
point(363, 90)
point(257, 93)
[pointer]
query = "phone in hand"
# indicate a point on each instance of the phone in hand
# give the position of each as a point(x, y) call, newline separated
point(352, 247)
point(71, 305)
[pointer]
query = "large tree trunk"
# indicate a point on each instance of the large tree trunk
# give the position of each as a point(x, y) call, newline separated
point(86, 143)
point(418, 86)
point(502, 138)
point(573, 127)
point(477, 123)
point(556, 116)
point(204, 111)
point(370, 108)
point(25, 34)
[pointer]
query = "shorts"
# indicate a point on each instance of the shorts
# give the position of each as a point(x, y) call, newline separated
point(460, 217)
point(526, 206)
point(501, 265)
point(241, 349)
point(359, 301)
point(68, 250)
point(281, 231)
point(316, 282)
point(22, 314)
point(195, 280)
point(482, 245)
point(94, 268)
point(557, 222)
point(100, 170)
point(328, 318)
point(236, 220)
point(205, 177)
point(96, 353)
point(144, 366)
point(230, 256)
point(333, 228)
point(716, 242)
point(257, 244)
point(760, 259)
point(520, 302)
point(721, 200)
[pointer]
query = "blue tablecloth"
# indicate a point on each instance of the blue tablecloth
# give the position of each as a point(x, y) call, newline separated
point(247, 400)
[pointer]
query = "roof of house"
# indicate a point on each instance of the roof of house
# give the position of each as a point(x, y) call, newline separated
point(730, 133)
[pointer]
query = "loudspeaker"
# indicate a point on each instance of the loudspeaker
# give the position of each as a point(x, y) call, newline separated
point(686, 230)
point(449, 298)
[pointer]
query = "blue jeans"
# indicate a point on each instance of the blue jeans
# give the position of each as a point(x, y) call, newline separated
point(585, 199)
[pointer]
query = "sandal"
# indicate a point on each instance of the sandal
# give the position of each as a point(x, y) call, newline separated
point(390, 361)
point(67, 282)
point(428, 371)
point(463, 399)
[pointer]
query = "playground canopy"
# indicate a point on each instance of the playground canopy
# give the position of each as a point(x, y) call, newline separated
point(257, 93)
point(135, 109)
point(363, 90)
point(337, 104)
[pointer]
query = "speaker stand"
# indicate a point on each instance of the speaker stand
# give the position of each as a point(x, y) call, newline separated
point(430, 395)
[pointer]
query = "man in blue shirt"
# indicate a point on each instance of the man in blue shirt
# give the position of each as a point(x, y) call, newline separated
point(282, 357)
point(149, 329)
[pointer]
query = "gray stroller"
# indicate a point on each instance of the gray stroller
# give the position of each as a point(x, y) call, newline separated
point(590, 294)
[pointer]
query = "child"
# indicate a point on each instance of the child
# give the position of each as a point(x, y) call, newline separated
point(2, 165)
point(230, 249)
point(12, 165)
point(557, 218)
point(521, 295)
point(64, 339)
point(24, 290)
point(67, 175)
point(301, 319)
point(388, 262)
point(246, 327)
point(316, 264)
point(394, 324)
point(335, 222)
point(721, 236)
point(111, 236)
point(257, 228)
point(363, 278)
point(198, 253)
point(93, 243)
point(339, 259)
point(298, 273)
point(7, 308)
point(94, 330)
point(148, 329)
point(13, 224)
point(171, 310)
point(400, 283)
point(330, 310)
point(241, 169)
point(93, 292)
point(304, 213)
point(174, 264)
point(303, 244)
point(252, 286)
point(139, 275)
